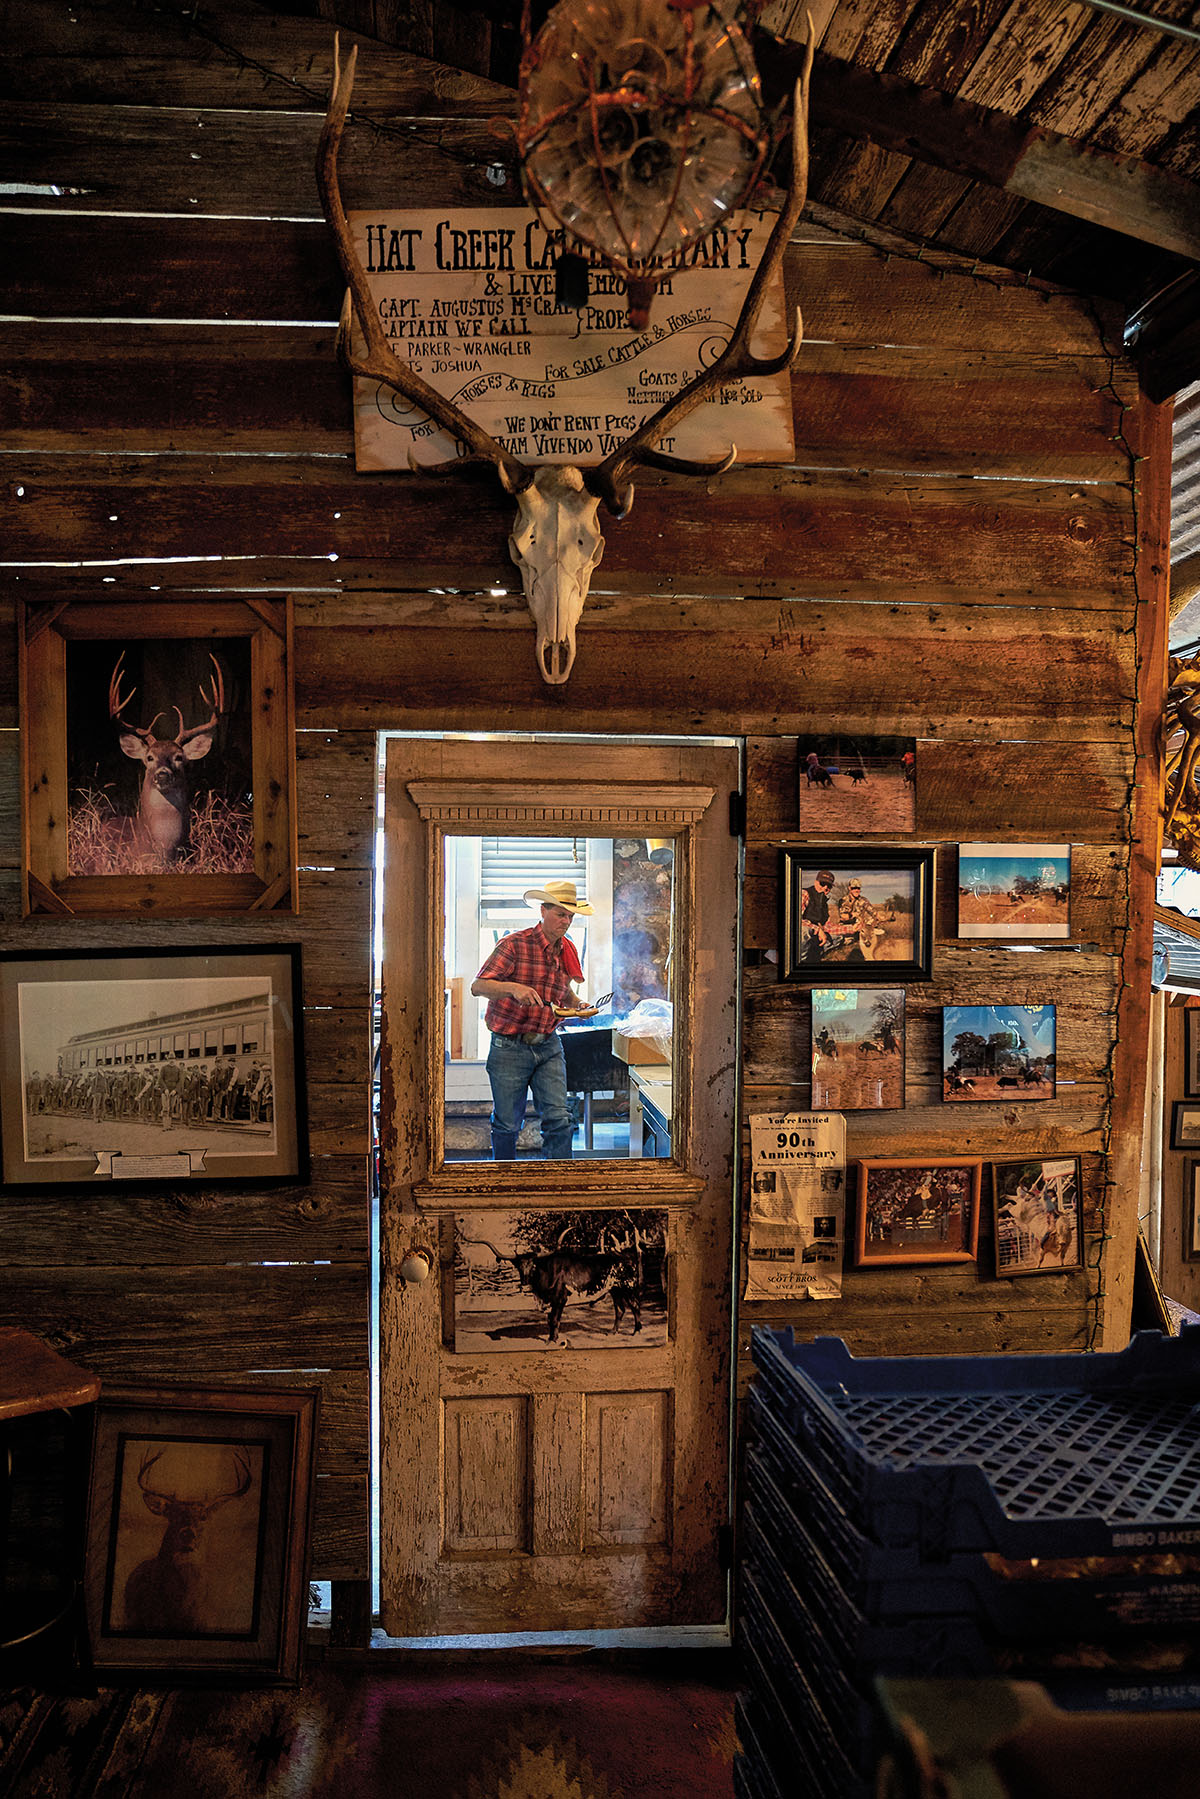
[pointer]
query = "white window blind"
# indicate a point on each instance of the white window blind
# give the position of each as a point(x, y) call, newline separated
point(511, 866)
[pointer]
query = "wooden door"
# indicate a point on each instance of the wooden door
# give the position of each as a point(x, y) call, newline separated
point(582, 1489)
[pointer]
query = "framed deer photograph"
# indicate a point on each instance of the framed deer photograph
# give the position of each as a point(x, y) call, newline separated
point(168, 1066)
point(157, 757)
point(198, 1527)
point(864, 916)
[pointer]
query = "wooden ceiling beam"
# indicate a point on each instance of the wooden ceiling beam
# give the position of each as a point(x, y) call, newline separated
point(1122, 193)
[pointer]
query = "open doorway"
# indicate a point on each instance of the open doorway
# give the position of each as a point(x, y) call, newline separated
point(510, 1499)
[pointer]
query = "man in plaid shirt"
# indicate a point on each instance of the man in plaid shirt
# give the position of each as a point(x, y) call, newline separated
point(525, 977)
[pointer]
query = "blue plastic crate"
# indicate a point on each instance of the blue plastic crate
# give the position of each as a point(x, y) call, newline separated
point(1063, 1455)
point(1107, 1598)
point(841, 1738)
point(752, 1760)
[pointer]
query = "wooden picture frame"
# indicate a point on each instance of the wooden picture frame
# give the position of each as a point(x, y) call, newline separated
point(121, 819)
point(889, 939)
point(1191, 1052)
point(163, 1066)
point(1035, 1211)
point(917, 1209)
point(1185, 1124)
point(199, 1510)
point(1191, 1209)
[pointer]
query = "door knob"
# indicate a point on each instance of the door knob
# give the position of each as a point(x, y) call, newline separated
point(416, 1265)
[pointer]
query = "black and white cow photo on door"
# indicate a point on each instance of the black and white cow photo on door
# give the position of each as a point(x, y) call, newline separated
point(547, 1280)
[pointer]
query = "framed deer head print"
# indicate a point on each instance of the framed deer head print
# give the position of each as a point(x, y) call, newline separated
point(198, 1528)
point(157, 757)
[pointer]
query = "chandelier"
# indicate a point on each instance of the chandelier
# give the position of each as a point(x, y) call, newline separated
point(640, 129)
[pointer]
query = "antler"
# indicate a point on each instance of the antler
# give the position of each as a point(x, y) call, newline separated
point(610, 480)
point(381, 362)
point(215, 698)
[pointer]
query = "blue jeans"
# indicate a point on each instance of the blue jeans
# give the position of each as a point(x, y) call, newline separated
point(513, 1069)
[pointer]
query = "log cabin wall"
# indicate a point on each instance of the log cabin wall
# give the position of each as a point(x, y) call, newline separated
point(969, 550)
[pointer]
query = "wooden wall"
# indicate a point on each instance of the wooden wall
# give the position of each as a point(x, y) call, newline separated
point(969, 550)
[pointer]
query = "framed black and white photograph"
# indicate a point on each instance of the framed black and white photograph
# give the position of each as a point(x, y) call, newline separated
point(862, 915)
point(1191, 1209)
point(999, 1052)
point(198, 1529)
point(1191, 1052)
point(1035, 1207)
point(164, 1066)
point(1014, 891)
point(1185, 1124)
point(548, 1280)
point(157, 747)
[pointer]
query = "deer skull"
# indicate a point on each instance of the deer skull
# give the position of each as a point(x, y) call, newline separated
point(556, 543)
point(555, 540)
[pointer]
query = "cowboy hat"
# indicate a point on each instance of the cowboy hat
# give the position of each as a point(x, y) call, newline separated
point(559, 893)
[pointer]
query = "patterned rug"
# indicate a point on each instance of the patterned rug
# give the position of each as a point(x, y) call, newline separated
point(651, 1728)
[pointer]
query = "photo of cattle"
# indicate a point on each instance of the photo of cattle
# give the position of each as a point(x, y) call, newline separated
point(854, 783)
point(917, 1211)
point(857, 1049)
point(998, 1052)
point(1014, 890)
point(546, 1280)
point(1036, 1208)
point(159, 1065)
point(159, 775)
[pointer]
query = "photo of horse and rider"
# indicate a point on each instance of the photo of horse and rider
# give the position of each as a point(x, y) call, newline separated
point(857, 1049)
point(854, 783)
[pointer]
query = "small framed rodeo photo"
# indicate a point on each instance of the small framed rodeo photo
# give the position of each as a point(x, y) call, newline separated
point(157, 758)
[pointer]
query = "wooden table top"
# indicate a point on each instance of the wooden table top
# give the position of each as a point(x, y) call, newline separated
point(35, 1378)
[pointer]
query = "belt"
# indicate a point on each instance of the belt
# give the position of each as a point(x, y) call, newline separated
point(531, 1037)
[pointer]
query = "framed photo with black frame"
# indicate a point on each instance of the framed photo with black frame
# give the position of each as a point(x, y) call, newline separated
point(1185, 1124)
point(1191, 1052)
point(1191, 1209)
point(1035, 1209)
point(199, 1510)
point(180, 1065)
point(158, 758)
point(862, 916)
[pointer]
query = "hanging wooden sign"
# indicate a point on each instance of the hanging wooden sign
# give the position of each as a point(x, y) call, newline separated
point(469, 300)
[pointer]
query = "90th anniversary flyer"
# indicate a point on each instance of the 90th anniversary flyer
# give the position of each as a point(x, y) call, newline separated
point(797, 1205)
point(468, 299)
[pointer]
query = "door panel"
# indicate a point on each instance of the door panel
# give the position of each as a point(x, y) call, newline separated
point(567, 1487)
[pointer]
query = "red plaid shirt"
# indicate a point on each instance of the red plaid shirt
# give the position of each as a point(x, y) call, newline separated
point(531, 959)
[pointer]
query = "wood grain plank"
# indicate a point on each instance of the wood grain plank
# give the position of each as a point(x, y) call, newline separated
point(173, 387)
point(229, 58)
point(1022, 675)
point(333, 929)
point(196, 1323)
point(151, 159)
point(341, 1544)
point(780, 530)
point(972, 790)
point(98, 266)
point(326, 1220)
point(336, 778)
